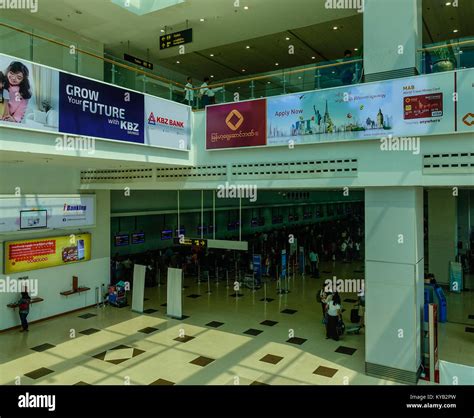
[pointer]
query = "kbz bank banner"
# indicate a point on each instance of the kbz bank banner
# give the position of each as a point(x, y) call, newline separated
point(415, 106)
point(36, 97)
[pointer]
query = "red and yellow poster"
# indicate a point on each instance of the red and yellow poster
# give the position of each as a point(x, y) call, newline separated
point(48, 252)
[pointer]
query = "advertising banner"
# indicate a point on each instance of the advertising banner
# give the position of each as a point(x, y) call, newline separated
point(410, 106)
point(95, 109)
point(46, 212)
point(236, 125)
point(48, 252)
point(465, 103)
point(37, 97)
point(257, 266)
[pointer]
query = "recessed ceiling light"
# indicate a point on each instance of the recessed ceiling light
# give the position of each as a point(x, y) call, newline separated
point(299, 78)
point(287, 38)
point(448, 3)
point(246, 7)
point(162, 31)
point(247, 47)
point(212, 76)
point(313, 58)
point(211, 55)
point(276, 63)
point(243, 70)
point(268, 82)
point(177, 62)
point(455, 31)
point(201, 20)
point(356, 49)
point(335, 28)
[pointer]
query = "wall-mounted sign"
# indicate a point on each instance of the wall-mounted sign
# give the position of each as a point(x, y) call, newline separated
point(138, 238)
point(175, 39)
point(47, 212)
point(121, 240)
point(65, 103)
point(196, 242)
point(48, 252)
point(138, 61)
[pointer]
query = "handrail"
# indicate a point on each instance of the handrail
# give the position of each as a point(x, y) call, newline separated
point(110, 61)
point(156, 77)
point(446, 45)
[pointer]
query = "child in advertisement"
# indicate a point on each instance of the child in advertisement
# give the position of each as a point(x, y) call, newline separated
point(3, 97)
point(19, 92)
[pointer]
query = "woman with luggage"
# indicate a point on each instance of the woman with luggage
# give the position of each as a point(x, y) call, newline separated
point(333, 311)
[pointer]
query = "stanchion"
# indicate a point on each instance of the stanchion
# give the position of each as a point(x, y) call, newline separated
point(217, 275)
point(199, 273)
point(208, 284)
point(159, 277)
point(227, 278)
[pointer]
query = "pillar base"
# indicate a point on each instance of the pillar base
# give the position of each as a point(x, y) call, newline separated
point(391, 373)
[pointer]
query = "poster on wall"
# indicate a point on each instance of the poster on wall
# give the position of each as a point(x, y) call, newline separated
point(410, 106)
point(46, 212)
point(34, 254)
point(465, 85)
point(236, 125)
point(29, 97)
point(45, 99)
point(168, 124)
point(91, 108)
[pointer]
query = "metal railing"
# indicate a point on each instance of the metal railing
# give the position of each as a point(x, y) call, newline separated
point(447, 56)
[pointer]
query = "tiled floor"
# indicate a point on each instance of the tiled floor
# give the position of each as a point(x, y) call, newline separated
point(222, 341)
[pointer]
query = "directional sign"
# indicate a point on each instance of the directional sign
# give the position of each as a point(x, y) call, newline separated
point(176, 38)
point(197, 242)
point(138, 61)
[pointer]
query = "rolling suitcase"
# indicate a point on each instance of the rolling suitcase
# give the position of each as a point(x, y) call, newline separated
point(355, 318)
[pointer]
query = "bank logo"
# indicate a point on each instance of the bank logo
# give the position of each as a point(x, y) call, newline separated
point(234, 114)
point(468, 119)
point(74, 208)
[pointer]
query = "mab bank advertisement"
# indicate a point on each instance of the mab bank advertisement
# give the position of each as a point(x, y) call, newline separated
point(36, 97)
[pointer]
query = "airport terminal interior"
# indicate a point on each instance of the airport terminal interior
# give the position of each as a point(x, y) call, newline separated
point(225, 192)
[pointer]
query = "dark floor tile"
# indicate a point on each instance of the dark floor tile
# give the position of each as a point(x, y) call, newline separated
point(272, 359)
point(87, 316)
point(296, 340)
point(267, 300)
point(268, 323)
point(469, 329)
point(252, 331)
point(137, 352)
point(257, 383)
point(214, 324)
point(184, 339)
point(289, 311)
point(120, 347)
point(346, 350)
point(236, 295)
point(194, 296)
point(471, 316)
point(41, 372)
point(150, 311)
point(350, 300)
point(148, 330)
point(81, 383)
point(162, 382)
point(202, 361)
point(89, 331)
point(43, 347)
point(325, 371)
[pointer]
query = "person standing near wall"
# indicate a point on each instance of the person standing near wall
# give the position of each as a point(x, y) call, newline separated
point(24, 308)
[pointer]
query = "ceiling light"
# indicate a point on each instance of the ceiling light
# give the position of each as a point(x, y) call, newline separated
point(287, 38)
point(247, 47)
point(177, 62)
point(212, 76)
point(455, 31)
point(246, 7)
point(201, 20)
point(313, 58)
point(335, 28)
point(268, 82)
point(356, 49)
point(162, 31)
point(276, 63)
point(299, 78)
point(211, 55)
point(448, 3)
point(243, 70)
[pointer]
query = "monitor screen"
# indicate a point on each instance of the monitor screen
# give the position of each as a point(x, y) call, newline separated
point(122, 240)
point(166, 234)
point(138, 238)
point(31, 219)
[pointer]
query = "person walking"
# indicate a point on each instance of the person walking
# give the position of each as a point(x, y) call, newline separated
point(333, 316)
point(24, 308)
point(189, 92)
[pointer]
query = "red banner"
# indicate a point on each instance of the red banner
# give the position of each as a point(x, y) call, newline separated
point(236, 125)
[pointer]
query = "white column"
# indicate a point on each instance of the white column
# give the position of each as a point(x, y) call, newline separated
point(392, 35)
point(442, 232)
point(394, 281)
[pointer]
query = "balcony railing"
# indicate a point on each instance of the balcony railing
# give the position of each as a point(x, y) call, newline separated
point(447, 55)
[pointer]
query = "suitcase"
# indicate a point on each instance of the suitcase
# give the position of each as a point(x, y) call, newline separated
point(355, 318)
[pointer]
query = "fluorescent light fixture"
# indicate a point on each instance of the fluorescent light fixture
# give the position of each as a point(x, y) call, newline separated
point(143, 7)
